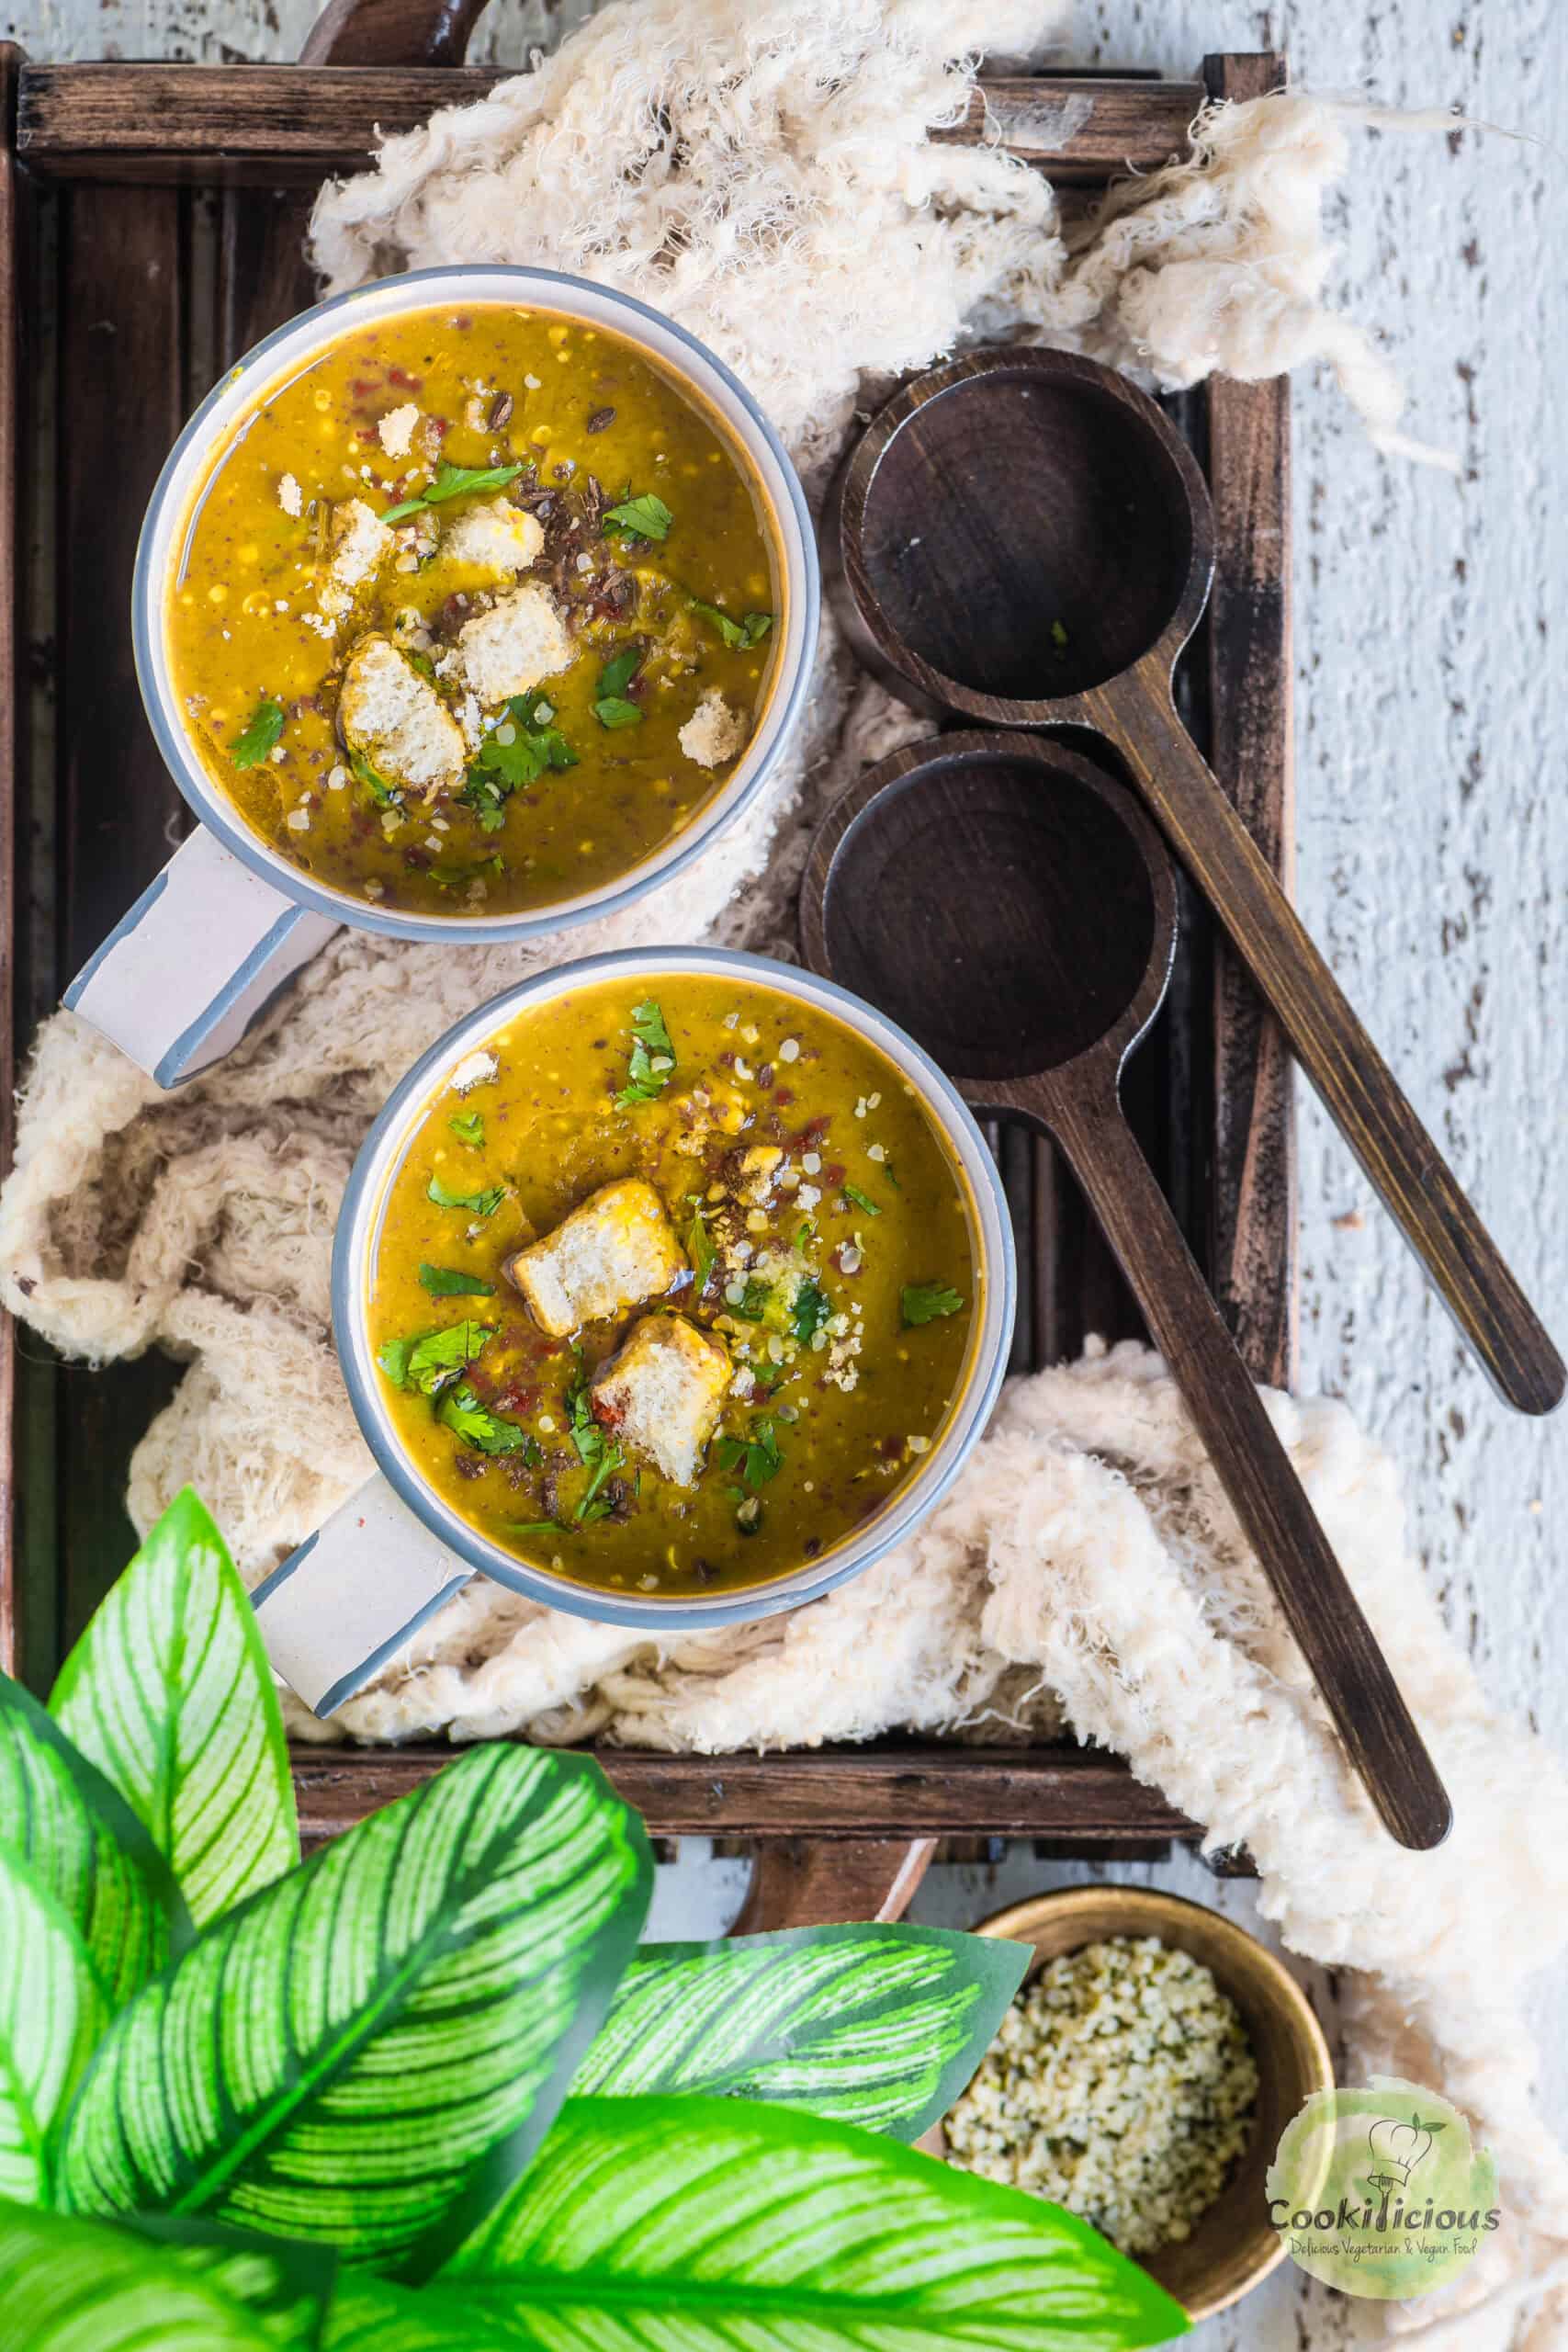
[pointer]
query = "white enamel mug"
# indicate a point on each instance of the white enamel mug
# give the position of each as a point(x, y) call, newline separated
point(228, 921)
point(340, 1606)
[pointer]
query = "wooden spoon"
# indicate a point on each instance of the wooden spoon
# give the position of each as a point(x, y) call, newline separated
point(1021, 538)
point(1016, 911)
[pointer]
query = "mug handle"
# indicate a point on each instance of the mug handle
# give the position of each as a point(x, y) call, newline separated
point(333, 1613)
point(203, 952)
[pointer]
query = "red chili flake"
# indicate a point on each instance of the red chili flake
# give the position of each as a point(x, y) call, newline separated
point(404, 380)
point(834, 1172)
point(519, 1396)
point(608, 1416)
point(783, 1096)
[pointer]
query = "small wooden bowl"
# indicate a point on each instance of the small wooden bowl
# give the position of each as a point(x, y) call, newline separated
point(1232, 2246)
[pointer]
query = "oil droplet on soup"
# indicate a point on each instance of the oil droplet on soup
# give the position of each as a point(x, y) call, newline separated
point(675, 1286)
point(475, 614)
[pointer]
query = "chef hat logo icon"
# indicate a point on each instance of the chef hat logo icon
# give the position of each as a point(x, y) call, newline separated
point(1397, 2148)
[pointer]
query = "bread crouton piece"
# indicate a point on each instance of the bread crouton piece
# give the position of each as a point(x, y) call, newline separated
point(397, 721)
point(360, 545)
point(664, 1391)
point(612, 1252)
point(714, 732)
point(497, 538)
point(395, 430)
point(520, 641)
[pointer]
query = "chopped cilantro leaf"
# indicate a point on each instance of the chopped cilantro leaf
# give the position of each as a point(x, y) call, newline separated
point(438, 1354)
point(644, 518)
point(483, 1203)
point(586, 1434)
point(451, 1281)
point(700, 1249)
point(749, 630)
point(924, 1302)
point(614, 710)
point(387, 794)
point(811, 1311)
point(861, 1200)
point(468, 1126)
point(461, 1411)
point(1059, 635)
point(620, 670)
point(260, 738)
point(454, 482)
point(752, 1304)
point(427, 1360)
point(651, 1063)
point(756, 1459)
point(592, 1504)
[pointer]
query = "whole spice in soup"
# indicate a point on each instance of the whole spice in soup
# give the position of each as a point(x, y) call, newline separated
point(1122, 2085)
point(459, 635)
point(677, 1353)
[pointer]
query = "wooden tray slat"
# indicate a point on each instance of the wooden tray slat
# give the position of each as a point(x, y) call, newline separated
point(1078, 1794)
point(271, 122)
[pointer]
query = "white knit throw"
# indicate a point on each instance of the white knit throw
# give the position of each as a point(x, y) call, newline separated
point(761, 169)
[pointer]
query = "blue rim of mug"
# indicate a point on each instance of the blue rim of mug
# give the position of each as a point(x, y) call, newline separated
point(994, 1254)
point(783, 709)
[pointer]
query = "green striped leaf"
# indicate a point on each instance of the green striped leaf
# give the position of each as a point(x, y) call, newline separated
point(703, 2225)
point(170, 1694)
point(76, 2286)
point(879, 2025)
point(366, 2053)
point(83, 1844)
point(52, 2012)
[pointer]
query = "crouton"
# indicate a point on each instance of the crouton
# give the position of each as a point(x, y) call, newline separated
point(395, 430)
point(360, 545)
point(397, 721)
point(514, 645)
point(615, 1250)
point(714, 732)
point(664, 1391)
point(290, 497)
point(497, 538)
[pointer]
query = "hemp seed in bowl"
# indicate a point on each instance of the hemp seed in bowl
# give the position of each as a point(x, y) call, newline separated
point(1121, 2085)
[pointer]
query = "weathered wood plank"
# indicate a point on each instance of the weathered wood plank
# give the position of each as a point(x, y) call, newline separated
point(1252, 1199)
point(121, 403)
point(1075, 1793)
point(11, 261)
point(269, 123)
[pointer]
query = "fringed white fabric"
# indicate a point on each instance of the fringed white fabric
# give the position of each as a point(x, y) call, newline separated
point(763, 170)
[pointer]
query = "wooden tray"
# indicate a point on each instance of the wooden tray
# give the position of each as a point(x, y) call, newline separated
point(149, 226)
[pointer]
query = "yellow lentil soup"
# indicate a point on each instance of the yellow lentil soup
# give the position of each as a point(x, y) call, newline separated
point(475, 612)
point(673, 1285)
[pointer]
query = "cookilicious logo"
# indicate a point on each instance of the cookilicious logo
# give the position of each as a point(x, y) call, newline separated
point(1377, 2191)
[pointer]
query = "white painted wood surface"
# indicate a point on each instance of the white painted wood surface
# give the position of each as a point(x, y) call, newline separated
point(1432, 732)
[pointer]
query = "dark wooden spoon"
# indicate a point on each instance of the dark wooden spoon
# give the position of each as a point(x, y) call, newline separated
point(1016, 911)
point(1022, 539)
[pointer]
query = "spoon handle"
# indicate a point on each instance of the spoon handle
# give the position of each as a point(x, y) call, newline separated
point(1353, 1675)
point(1361, 1093)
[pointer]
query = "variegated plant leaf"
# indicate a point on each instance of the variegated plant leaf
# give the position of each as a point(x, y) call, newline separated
point(69, 2285)
point(703, 2225)
point(366, 2053)
point(170, 1694)
point(53, 2013)
point(81, 1843)
point(878, 2025)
